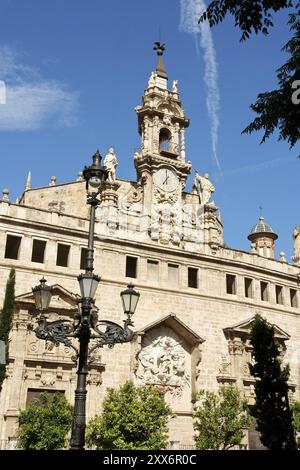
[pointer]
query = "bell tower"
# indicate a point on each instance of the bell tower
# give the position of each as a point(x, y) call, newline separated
point(160, 162)
point(161, 119)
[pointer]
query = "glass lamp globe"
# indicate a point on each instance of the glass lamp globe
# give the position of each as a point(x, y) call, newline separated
point(95, 182)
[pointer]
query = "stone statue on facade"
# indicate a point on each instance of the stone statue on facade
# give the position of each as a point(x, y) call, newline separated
point(204, 187)
point(111, 163)
point(175, 86)
point(296, 237)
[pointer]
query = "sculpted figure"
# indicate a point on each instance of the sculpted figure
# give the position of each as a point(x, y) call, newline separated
point(152, 79)
point(174, 86)
point(296, 237)
point(111, 163)
point(206, 188)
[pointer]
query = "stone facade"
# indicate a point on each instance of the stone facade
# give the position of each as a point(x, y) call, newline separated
point(197, 296)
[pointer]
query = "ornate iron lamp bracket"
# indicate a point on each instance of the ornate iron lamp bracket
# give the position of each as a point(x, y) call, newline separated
point(59, 331)
point(112, 335)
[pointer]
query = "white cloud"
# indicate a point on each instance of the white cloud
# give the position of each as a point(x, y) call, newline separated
point(191, 11)
point(32, 101)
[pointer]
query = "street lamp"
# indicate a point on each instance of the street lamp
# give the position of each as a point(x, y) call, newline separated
point(86, 329)
point(42, 295)
point(130, 299)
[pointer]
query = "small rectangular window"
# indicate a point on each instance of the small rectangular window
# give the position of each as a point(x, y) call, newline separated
point(173, 274)
point(33, 395)
point(62, 258)
point(38, 251)
point(83, 258)
point(279, 294)
point(293, 298)
point(249, 288)
point(12, 247)
point(230, 284)
point(193, 278)
point(264, 294)
point(152, 270)
point(131, 267)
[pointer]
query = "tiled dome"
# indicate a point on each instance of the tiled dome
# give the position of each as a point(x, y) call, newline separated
point(261, 227)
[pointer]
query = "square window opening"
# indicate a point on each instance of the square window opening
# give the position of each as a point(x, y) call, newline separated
point(264, 291)
point(231, 284)
point(248, 288)
point(38, 251)
point(83, 258)
point(131, 267)
point(12, 247)
point(193, 278)
point(293, 298)
point(62, 258)
point(279, 295)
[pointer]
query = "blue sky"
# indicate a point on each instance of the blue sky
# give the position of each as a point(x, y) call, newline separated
point(76, 69)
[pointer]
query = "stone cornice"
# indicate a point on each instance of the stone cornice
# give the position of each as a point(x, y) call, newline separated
point(151, 112)
point(152, 162)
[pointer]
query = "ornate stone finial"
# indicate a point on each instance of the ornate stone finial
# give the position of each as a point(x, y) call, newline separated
point(253, 249)
point(5, 195)
point(282, 257)
point(28, 182)
point(110, 164)
point(160, 67)
point(53, 181)
point(80, 176)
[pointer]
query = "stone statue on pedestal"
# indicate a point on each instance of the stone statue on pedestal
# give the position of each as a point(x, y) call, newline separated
point(296, 237)
point(111, 163)
point(205, 187)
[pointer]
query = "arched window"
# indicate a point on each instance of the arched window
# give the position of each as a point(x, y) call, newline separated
point(165, 137)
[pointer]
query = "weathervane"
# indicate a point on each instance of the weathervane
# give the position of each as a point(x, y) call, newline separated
point(159, 48)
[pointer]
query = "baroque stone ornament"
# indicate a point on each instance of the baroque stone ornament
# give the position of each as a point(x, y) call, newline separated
point(163, 363)
point(162, 196)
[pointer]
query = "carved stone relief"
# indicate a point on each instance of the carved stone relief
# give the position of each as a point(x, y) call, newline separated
point(163, 362)
point(161, 196)
point(134, 196)
point(166, 223)
point(57, 206)
point(225, 367)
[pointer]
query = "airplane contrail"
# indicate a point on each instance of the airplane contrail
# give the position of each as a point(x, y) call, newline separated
point(190, 13)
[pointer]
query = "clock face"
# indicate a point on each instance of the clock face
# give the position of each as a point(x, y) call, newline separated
point(166, 179)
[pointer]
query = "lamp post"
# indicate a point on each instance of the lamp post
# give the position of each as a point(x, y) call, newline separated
point(86, 330)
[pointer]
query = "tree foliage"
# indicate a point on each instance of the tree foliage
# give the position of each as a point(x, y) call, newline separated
point(44, 425)
point(249, 15)
point(220, 420)
point(275, 109)
point(271, 410)
point(133, 418)
point(296, 421)
point(6, 317)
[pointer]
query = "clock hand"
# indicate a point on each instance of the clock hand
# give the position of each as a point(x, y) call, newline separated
point(167, 177)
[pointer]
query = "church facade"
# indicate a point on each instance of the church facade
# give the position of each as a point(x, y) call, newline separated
point(198, 297)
